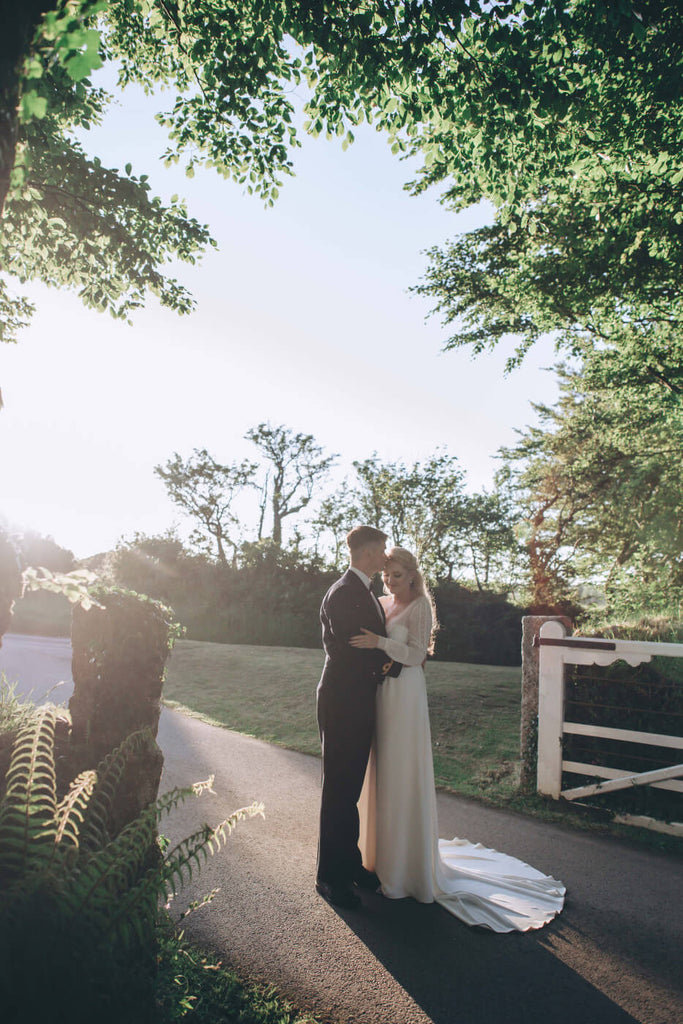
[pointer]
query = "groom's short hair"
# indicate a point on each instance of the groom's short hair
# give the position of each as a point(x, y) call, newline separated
point(360, 536)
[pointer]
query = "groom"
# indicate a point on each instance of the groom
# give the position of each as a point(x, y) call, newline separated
point(346, 715)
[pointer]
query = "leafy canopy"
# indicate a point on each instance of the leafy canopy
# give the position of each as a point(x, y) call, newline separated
point(235, 70)
point(587, 181)
point(508, 100)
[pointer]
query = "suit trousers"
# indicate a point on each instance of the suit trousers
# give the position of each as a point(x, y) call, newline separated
point(346, 719)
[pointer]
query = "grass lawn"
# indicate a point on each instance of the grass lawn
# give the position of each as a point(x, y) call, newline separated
point(269, 692)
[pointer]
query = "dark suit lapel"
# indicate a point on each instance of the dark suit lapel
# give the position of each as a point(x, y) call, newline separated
point(352, 579)
point(381, 610)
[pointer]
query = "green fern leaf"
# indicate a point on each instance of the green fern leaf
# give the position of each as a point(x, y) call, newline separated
point(168, 801)
point(71, 810)
point(28, 810)
point(112, 869)
point(179, 861)
point(58, 863)
point(105, 875)
point(175, 871)
point(95, 826)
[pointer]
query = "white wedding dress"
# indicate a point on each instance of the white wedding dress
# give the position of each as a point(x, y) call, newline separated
point(399, 828)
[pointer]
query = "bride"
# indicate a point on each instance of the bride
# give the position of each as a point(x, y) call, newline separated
point(399, 828)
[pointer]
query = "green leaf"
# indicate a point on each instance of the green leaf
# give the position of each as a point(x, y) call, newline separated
point(80, 66)
point(32, 106)
point(33, 68)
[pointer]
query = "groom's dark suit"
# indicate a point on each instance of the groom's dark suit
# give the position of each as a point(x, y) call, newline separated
point(346, 718)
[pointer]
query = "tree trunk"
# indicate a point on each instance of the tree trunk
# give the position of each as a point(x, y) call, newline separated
point(119, 654)
point(277, 504)
point(19, 23)
point(277, 521)
point(262, 507)
point(9, 97)
point(221, 550)
point(475, 570)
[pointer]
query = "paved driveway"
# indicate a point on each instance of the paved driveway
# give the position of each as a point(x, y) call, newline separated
point(612, 957)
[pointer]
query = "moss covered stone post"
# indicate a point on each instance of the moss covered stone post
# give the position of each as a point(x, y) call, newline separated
point(531, 625)
point(119, 655)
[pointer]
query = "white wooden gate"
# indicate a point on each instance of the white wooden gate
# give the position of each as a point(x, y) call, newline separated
point(557, 650)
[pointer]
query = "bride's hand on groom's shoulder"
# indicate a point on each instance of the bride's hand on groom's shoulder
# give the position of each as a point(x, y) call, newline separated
point(365, 639)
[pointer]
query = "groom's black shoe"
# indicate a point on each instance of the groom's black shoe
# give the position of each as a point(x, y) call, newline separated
point(365, 879)
point(338, 895)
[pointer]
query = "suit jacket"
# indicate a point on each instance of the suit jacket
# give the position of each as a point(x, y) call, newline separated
point(347, 608)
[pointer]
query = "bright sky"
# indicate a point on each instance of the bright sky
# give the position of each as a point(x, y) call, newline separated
point(303, 319)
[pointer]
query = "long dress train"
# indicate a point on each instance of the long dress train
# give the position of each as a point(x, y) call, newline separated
point(398, 815)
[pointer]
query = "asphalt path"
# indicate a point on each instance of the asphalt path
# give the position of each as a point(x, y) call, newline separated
point(612, 957)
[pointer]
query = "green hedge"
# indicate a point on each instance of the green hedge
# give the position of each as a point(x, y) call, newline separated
point(477, 627)
point(275, 605)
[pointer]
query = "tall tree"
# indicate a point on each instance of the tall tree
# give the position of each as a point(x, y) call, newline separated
point(296, 465)
point(586, 245)
point(599, 483)
point(588, 189)
point(38, 550)
point(421, 507)
point(206, 490)
point(335, 516)
point(491, 551)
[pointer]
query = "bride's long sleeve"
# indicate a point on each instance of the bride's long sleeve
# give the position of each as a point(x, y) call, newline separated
point(419, 624)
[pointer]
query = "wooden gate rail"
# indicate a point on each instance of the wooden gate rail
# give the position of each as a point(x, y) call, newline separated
point(557, 650)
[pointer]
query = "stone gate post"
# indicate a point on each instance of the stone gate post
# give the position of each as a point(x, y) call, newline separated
point(531, 625)
point(119, 655)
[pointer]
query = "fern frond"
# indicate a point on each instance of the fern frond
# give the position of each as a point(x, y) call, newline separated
point(207, 898)
point(28, 809)
point(180, 861)
point(176, 870)
point(105, 875)
point(111, 866)
point(140, 903)
point(115, 866)
point(168, 801)
point(72, 808)
point(204, 787)
point(222, 831)
point(95, 826)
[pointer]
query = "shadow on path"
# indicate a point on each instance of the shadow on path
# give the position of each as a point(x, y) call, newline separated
point(482, 977)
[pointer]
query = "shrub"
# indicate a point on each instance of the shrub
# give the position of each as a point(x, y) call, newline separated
point(476, 626)
point(79, 906)
point(42, 614)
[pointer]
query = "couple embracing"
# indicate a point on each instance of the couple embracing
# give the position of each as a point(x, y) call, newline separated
point(378, 815)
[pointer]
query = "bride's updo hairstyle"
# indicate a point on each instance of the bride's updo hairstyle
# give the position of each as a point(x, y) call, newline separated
point(407, 560)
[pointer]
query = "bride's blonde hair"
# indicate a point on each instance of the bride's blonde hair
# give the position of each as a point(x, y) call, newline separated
point(407, 560)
